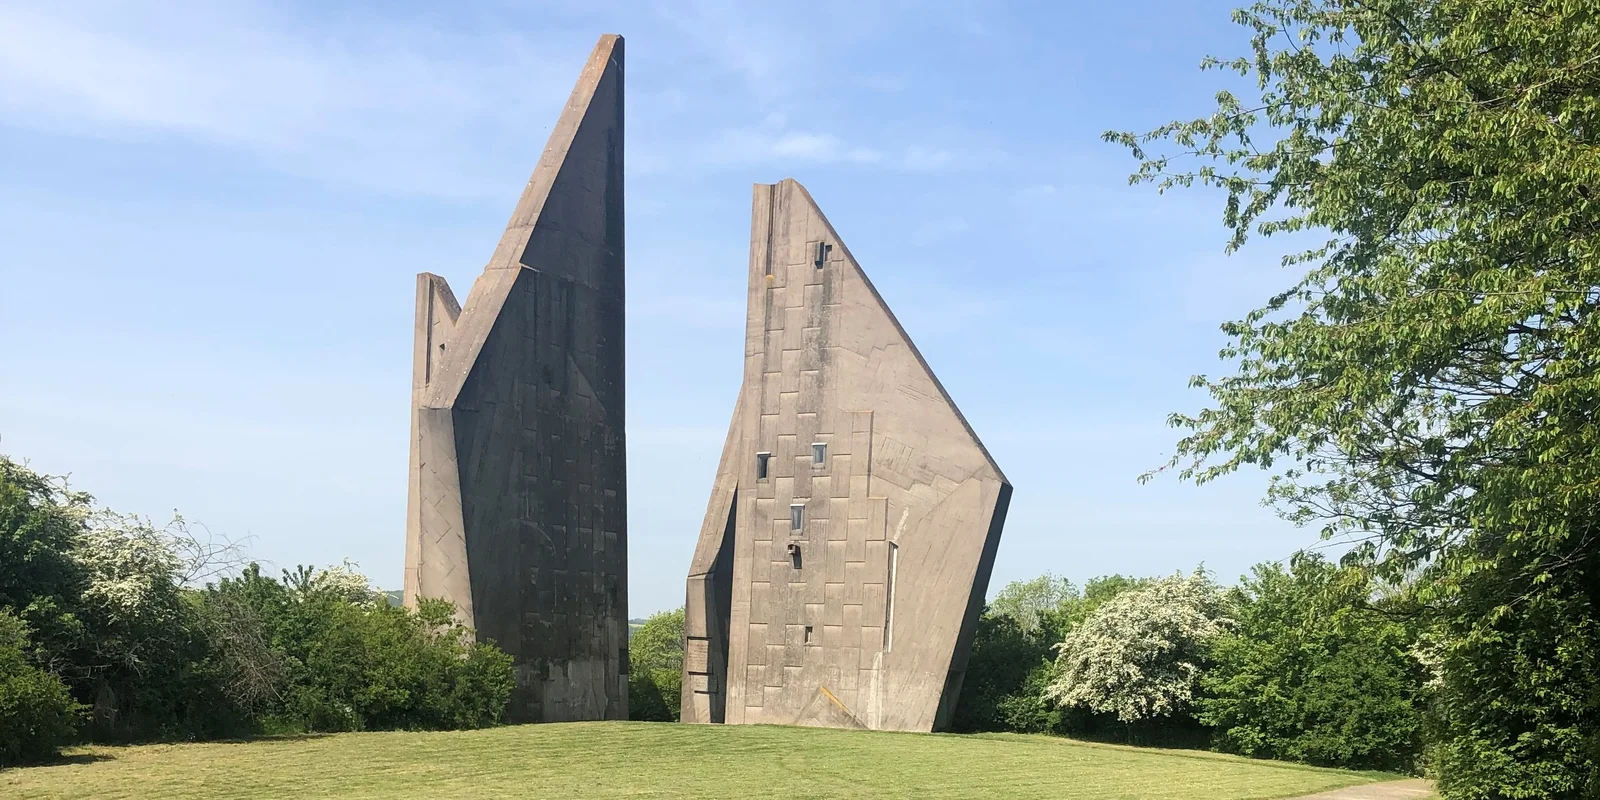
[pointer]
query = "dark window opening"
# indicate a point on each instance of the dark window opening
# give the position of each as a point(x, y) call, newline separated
point(794, 554)
point(822, 254)
point(761, 465)
point(808, 634)
point(819, 453)
point(797, 516)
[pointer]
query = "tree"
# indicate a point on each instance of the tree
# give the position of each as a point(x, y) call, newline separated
point(1312, 673)
point(995, 694)
point(321, 651)
point(37, 714)
point(1027, 602)
point(101, 594)
point(41, 526)
point(1430, 387)
point(1012, 662)
point(1140, 655)
point(655, 674)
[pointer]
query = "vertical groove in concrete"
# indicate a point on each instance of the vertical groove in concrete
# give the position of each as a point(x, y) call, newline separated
point(517, 504)
point(792, 625)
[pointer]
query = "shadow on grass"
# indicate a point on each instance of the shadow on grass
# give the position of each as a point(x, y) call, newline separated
point(107, 751)
point(259, 737)
point(60, 760)
point(75, 758)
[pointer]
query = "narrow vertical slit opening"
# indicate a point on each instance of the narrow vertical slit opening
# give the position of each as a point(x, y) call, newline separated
point(888, 606)
point(797, 516)
point(761, 465)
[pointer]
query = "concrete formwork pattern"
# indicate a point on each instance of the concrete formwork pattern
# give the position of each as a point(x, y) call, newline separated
point(517, 505)
point(854, 517)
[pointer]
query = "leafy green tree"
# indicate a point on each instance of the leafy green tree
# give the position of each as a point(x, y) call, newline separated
point(994, 691)
point(1312, 673)
point(1077, 607)
point(1028, 602)
point(655, 675)
point(1430, 386)
point(1139, 656)
point(1012, 663)
point(41, 526)
point(321, 651)
point(37, 714)
point(102, 594)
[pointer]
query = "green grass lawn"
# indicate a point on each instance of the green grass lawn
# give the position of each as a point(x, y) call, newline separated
point(636, 759)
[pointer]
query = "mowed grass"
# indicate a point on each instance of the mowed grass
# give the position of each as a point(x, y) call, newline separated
point(636, 759)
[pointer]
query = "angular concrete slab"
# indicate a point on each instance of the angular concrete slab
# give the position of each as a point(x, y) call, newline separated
point(517, 505)
point(854, 517)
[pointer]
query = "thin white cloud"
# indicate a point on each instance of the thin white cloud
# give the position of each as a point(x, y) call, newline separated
point(772, 143)
point(387, 105)
point(773, 140)
point(384, 101)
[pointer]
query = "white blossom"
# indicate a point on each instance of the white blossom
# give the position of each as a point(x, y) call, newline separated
point(344, 581)
point(1140, 654)
point(130, 563)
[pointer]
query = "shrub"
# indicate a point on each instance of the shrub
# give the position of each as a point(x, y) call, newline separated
point(1311, 674)
point(995, 693)
point(321, 651)
point(655, 675)
point(37, 714)
point(41, 525)
point(1517, 709)
point(1012, 666)
point(1139, 656)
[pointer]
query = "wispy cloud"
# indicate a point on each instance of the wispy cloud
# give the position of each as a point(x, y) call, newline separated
point(383, 105)
point(746, 145)
point(775, 140)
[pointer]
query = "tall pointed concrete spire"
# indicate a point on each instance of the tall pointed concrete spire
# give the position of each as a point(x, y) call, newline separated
point(855, 515)
point(517, 506)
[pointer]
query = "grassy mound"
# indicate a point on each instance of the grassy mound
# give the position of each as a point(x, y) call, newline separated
point(633, 759)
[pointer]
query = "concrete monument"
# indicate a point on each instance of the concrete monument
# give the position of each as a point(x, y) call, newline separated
point(517, 509)
point(854, 518)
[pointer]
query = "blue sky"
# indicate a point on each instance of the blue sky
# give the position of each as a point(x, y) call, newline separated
point(212, 214)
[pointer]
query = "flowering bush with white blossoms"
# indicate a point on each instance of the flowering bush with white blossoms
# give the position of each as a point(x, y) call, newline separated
point(1140, 655)
point(131, 566)
point(345, 581)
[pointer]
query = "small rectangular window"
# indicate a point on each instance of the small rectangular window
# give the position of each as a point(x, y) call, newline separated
point(819, 453)
point(761, 465)
point(808, 634)
point(797, 516)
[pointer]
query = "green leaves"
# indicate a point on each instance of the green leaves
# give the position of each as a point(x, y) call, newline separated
point(1311, 674)
point(655, 675)
point(1431, 385)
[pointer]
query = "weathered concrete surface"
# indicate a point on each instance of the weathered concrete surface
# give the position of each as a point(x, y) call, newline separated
point(1388, 790)
point(517, 507)
point(862, 615)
